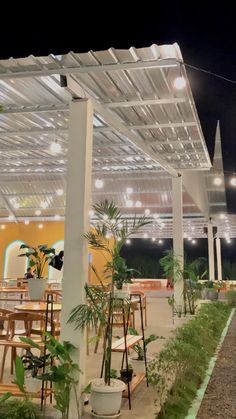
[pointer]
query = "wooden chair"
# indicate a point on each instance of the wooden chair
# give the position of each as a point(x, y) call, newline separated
point(4, 313)
point(12, 338)
point(135, 305)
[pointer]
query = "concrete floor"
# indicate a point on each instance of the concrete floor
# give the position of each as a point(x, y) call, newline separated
point(159, 317)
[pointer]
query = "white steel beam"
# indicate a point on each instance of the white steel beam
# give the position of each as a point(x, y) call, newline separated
point(78, 197)
point(161, 63)
point(143, 102)
point(35, 109)
point(160, 126)
point(218, 256)
point(211, 258)
point(178, 242)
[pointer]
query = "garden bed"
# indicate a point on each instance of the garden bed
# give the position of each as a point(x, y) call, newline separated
point(178, 371)
point(219, 400)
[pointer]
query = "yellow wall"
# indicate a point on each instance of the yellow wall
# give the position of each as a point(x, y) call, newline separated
point(31, 234)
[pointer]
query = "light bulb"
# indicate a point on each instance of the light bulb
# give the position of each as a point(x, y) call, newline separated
point(128, 241)
point(153, 239)
point(233, 181)
point(59, 192)
point(180, 83)
point(55, 147)
point(160, 241)
point(129, 190)
point(217, 181)
point(129, 203)
point(138, 204)
point(99, 183)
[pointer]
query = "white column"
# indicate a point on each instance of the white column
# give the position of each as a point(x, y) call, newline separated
point(211, 252)
point(78, 197)
point(178, 246)
point(218, 256)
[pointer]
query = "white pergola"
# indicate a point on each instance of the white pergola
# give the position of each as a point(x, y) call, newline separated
point(145, 132)
point(146, 137)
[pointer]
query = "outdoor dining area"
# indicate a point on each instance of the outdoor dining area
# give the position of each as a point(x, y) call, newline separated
point(98, 150)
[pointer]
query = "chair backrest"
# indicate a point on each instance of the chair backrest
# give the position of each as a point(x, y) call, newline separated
point(27, 319)
point(4, 316)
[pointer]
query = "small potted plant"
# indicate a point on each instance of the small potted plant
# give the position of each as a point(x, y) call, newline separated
point(38, 257)
point(126, 375)
point(139, 349)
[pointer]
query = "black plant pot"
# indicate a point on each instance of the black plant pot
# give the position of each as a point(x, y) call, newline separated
point(126, 375)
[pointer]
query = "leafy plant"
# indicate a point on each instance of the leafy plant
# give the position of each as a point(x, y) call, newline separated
point(178, 370)
point(190, 275)
point(108, 236)
point(38, 256)
point(61, 370)
point(230, 296)
point(137, 347)
point(16, 408)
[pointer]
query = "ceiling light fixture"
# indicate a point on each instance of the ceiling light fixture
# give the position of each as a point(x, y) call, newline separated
point(233, 181)
point(37, 212)
point(129, 190)
point(55, 147)
point(59, 192)
point(217, 181)
point(99, 183)
point(180, 81)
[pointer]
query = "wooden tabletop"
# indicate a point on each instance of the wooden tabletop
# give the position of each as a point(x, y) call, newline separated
point(13, 289)
point(40, 307)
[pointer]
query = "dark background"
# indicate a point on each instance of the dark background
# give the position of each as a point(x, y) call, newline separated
point(205, 33)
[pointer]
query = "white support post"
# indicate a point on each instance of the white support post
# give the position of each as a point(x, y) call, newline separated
point(178, 245)
point(78, 197)
point(211, 260)
point(218, 256)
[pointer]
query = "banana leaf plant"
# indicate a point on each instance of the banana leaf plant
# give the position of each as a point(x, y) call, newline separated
point(108, 237)
point(38, 256)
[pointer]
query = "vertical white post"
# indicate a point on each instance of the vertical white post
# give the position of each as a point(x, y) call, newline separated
point(78, 196)
point(178, 246)
point(218, 256)
point(211, 252)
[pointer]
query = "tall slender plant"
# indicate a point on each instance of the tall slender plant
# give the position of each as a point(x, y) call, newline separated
point(108, 237)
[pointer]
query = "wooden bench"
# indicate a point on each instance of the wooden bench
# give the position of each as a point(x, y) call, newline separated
point(119, 344)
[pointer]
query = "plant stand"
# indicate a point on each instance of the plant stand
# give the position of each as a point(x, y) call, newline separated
point(125, 343)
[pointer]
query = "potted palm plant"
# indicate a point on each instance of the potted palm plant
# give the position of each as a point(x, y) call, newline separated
point(38, 257)
point(108, 237)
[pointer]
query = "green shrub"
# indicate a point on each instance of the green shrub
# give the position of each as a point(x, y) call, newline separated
point(19, 409)
point(231, 297)
point(179, 369)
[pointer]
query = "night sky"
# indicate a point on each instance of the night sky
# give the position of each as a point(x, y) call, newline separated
point(205, 34)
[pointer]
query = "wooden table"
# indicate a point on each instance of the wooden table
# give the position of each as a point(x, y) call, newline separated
point(38, 307)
